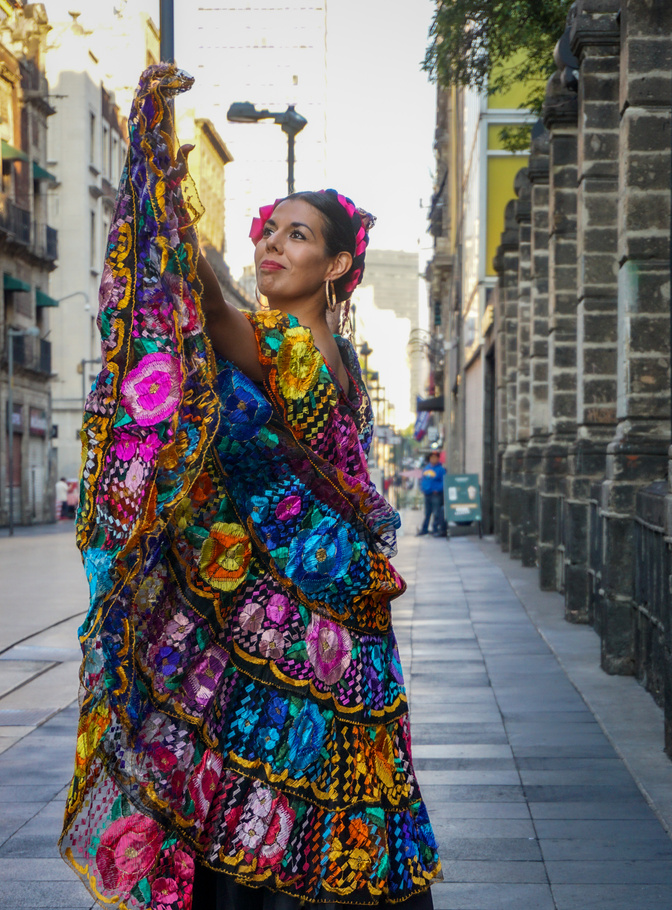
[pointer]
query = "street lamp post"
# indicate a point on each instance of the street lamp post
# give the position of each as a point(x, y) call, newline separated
point(167, 31)
point(11, 335)
point(289, 121)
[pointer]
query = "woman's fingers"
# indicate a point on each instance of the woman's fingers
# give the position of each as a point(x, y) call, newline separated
point(182, 155)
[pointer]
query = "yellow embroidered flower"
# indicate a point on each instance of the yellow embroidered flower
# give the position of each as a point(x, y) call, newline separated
point(225, 556)
point(268, 318)
point(384, 758)
point(91, 729)
point(299, 362)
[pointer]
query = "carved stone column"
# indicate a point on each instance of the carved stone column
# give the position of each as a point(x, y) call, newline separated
point(638, 451)
point(560, 118)
point(537, 171)
point(595, 39)
point(523, 499)
point(506, 265)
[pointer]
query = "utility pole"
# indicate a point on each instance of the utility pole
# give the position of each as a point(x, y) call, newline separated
point(167, 30)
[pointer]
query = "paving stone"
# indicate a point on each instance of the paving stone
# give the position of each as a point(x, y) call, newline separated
point(611, 897)
point(470, 871)
point(623, 809)
point(35, 895)
point(627, 872)
point(605, 849)
point(497, 896)
point(488, 848)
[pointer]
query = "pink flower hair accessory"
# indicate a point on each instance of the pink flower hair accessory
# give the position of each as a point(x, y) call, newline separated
point(258, 224)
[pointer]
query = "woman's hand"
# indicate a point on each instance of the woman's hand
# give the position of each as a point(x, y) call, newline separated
point(182, 167)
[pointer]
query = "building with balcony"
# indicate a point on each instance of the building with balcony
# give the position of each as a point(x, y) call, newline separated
point(87, 150)
point(28, 254)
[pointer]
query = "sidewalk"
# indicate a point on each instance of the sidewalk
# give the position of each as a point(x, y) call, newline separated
point(532, 802)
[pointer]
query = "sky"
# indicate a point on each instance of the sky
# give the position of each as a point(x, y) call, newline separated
point(378, 122)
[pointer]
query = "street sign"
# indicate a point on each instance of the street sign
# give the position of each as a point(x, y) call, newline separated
point(462, 494)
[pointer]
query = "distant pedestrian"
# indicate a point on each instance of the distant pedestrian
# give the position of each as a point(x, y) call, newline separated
point(61, 498)
point(431, 484)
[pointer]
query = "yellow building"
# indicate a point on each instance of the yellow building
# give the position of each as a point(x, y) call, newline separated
point(206, 165)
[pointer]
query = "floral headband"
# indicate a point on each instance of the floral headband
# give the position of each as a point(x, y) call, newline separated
point(366, 222)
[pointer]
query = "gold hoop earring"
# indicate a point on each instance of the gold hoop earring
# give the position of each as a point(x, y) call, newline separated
point(261, 300)
point(332, 302)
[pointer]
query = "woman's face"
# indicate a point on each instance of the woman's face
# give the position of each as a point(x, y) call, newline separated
point(290, 258)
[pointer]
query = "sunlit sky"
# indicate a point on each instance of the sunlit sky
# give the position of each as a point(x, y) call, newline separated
point(378, 120)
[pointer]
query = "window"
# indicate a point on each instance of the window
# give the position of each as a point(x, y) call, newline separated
point(114, 175)
point(93, 258)
point(106, 150)
point(92, 137)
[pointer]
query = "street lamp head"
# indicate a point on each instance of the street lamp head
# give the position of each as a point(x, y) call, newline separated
point(365, 350)
point(291, 122)
point(245, 112)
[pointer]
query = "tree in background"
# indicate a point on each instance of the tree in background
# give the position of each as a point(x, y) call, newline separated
point(492, 45)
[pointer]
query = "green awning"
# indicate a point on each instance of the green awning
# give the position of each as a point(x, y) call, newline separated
point(42, 299)
point(10, 283)
point(9, 153)
point(39, 173)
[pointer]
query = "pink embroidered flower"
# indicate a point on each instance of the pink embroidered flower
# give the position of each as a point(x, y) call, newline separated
point(272, 644)
point(202, 679)
point(329, 646)
point(128, 446)
point(162, 758)
point(135, 475)
point(277, 835)
point(151, 391)
point(127, 851)
point(288, 507)
point(261, 802)
point(278, 608)
point(165, 893)
point(179, 627)
point(203, 783)
point(183, 866)
point(251, 617)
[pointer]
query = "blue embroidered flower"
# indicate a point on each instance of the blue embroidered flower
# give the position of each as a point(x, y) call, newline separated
point(266, 740)
point(244, 408)
point(259, 507)
point(306, 736)
point(276, 710)
point(246, 721)
point(318, 555)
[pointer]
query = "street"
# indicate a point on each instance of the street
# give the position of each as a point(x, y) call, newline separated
point(545, 778)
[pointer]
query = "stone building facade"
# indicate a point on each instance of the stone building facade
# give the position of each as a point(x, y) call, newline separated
point(28, 253)
point(581, 341)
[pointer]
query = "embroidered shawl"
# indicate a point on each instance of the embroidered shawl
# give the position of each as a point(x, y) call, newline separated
point(242, 702)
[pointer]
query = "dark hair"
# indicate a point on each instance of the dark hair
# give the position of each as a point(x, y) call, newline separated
point(340, 235)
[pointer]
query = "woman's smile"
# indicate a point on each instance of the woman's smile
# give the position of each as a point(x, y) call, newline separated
point(270, 265)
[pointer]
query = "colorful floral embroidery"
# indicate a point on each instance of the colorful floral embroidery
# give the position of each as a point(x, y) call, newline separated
point(127, 851)
point(329, 647)
point(298, 362)
point(318, 555)
point(151, 391)
point(225, 556)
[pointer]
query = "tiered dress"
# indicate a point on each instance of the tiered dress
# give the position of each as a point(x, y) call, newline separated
point(242, 701)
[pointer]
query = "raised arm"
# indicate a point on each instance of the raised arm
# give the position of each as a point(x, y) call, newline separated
point(230, 332)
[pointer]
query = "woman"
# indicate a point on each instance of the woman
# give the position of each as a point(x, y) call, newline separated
point(244, 737)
